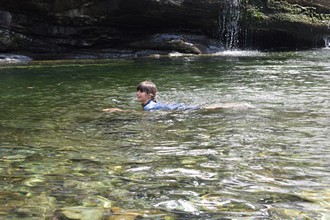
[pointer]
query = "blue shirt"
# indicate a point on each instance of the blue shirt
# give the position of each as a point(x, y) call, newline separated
point(152, 105)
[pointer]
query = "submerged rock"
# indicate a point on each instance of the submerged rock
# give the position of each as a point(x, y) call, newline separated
point(80, 212)
point(41, 206)
point(114, 213)
point(178, 205)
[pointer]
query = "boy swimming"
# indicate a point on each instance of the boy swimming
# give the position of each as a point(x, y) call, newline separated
point(146, 93)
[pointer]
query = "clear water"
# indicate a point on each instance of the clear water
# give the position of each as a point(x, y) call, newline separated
point(60, 151)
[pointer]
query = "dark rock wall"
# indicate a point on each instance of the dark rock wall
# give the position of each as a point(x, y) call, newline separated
point(58, 26)
point(65, 24)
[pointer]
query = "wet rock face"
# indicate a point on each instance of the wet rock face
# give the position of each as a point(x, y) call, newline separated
point(55, 26)
point(59, 26)
point(290, 23)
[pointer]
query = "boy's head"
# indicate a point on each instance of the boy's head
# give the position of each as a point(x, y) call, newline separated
point(148, 87)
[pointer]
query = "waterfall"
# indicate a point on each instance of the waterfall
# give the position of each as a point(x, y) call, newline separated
point(229, 24)
point(327, 38)
point(326, 41)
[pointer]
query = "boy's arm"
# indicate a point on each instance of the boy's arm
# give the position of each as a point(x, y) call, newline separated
point(113, 110)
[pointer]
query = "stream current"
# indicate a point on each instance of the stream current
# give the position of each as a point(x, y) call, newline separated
point(60, 153)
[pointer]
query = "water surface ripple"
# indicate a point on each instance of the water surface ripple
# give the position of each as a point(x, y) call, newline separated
point(60, 154)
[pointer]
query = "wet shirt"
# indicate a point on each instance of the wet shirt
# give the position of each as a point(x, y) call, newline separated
point(153, 106)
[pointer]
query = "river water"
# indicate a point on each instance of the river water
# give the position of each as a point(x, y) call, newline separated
point(61, 156)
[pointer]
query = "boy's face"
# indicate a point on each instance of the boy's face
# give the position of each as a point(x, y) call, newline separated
point(143, 97)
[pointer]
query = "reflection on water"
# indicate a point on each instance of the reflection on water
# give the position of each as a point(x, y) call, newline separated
point(61, 156)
